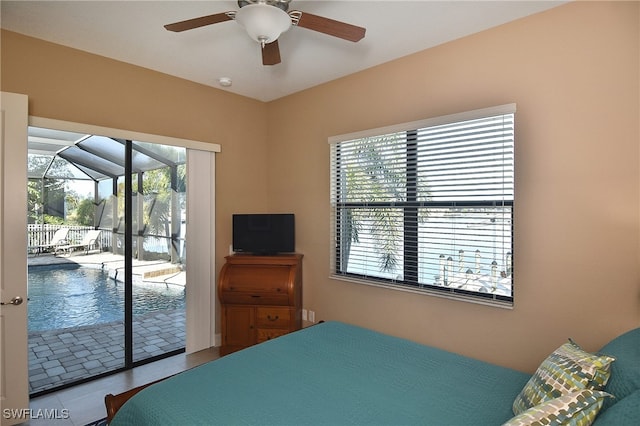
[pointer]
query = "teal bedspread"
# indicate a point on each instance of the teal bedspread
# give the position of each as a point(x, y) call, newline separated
point(331, 374)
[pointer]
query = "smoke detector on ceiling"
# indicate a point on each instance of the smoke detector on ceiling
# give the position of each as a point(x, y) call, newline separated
point(225, 81)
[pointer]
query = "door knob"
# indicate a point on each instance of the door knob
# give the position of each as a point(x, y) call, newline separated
point(15, 301)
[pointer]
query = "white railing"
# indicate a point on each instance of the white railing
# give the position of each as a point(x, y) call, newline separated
point(40, 235)
point(39, 238)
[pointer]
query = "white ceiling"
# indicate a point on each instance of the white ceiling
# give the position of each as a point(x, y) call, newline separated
point(133, 32)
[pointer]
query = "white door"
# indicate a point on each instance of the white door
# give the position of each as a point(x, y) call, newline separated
point(14, 370)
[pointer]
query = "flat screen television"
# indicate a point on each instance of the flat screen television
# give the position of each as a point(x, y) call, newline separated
point(264, 234)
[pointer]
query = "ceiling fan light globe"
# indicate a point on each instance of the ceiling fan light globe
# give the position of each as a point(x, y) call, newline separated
point(263, 23)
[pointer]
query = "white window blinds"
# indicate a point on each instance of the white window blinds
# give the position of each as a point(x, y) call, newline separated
point(428, 205)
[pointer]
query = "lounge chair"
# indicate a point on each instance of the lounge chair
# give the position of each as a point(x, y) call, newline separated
point(90, 240)
point(59, 239)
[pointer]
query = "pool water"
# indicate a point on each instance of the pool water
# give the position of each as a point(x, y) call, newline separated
point(70, 297)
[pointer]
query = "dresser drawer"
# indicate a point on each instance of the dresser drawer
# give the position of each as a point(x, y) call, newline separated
point(255, 298)
point(256, 285)
point(265, 334)
point(273, 318)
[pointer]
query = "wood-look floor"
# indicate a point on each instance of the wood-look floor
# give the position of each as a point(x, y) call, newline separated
point(85, 403)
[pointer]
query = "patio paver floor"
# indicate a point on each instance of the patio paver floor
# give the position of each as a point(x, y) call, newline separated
point(58, 357)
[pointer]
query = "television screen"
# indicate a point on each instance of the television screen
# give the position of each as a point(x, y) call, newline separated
point(264, 233)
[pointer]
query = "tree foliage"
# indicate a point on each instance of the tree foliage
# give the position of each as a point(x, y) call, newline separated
point(45, 201)
point(84, 212)
point(370, 179)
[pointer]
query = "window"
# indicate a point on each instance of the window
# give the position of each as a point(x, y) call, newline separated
point(428, 206)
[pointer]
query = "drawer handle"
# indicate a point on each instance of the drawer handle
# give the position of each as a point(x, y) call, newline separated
point(270, 318)
point(255, 296)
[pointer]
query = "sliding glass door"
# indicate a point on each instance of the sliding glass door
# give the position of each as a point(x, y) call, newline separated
point(126, 255)
point(158, 226)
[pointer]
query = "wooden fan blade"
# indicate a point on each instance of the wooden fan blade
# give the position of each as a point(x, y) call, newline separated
point(331, 27)
point(190, 24)
point(271, 53)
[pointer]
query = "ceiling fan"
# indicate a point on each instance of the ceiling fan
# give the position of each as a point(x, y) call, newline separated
point(265, 20)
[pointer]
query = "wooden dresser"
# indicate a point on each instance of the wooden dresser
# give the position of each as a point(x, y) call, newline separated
point(261, 298)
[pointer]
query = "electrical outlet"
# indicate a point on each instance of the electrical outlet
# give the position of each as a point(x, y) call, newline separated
point(304, 315)
point(312, 316)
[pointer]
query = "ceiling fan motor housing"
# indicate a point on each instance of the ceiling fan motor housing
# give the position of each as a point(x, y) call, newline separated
point(280, 4)
point(263, 23)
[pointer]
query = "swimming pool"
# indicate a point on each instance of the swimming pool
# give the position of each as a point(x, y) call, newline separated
point(63, 297)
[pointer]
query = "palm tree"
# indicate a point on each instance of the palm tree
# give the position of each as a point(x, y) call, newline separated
point(372, 178)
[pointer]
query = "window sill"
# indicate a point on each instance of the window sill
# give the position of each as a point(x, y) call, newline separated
point(426, 292)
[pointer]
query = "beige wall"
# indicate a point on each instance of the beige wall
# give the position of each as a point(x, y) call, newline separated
point(574, 74)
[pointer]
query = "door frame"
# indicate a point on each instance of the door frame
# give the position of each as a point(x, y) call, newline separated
point(14, 368)
point(201, 299)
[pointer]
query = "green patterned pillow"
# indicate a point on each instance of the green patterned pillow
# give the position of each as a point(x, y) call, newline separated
point(567, 369)
point(573, 409)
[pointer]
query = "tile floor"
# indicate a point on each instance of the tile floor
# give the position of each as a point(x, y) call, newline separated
point(84, 403)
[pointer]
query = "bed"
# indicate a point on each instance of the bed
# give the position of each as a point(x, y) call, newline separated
point(335, 373)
